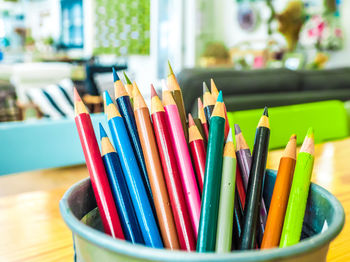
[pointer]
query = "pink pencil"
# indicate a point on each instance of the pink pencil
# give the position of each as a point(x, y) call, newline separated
point(183, 159)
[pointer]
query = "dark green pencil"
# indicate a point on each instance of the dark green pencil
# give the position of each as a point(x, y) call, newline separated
point(255, 182)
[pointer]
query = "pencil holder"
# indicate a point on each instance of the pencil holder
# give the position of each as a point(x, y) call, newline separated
point(324, 219)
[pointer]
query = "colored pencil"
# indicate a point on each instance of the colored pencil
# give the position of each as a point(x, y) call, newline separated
point(215, 93)
point(98, 176)
point(126, 111)
point(227, 192)
point(129, 88)
point(280, 196)
point(120, 191)
point(183, 159)
point(293, 221)
point(255, 183)
point(209, 103)
point(175, 89)
point(133, 177)
point(155, 172)
point(171, 174)
point(244, 160)
point(240, 187)
point(198, 151)
point(212, 180)
point(237, 219)
point(201, 116)
point(199, 125)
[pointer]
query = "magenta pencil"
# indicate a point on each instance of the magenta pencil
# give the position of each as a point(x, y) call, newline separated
point(183, 159)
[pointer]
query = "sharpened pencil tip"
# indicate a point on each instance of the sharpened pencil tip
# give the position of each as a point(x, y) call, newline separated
point(229, 136)
point(102, 131)
point(310, 133)
point(205, 88)
point(153, 91)
point(293, 137)
point(115, 75)
point(190, 120)
point(127, 80)
point(200, 104)
point(107, 98)
point(266, 113)
point(220, 99)
point(237, 129)
point(171, 72)
point(76, 95)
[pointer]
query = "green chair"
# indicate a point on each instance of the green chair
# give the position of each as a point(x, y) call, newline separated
point(328, 118)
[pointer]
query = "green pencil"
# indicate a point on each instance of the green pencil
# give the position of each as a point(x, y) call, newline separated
point(227, 193)
point(293, 221)
point(212, 180)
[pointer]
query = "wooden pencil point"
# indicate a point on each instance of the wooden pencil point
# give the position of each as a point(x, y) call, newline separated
point(310, 133)
point(264, 121)
point(79, 106)
point(290, 150)
point(136, 90)
point(218, 110)
point(213, 89)
point(112, 111)
point(168, 98)
point(119, 89)
point(156, 105)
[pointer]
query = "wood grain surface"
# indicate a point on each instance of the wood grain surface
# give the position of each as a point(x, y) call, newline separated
point(31, 227)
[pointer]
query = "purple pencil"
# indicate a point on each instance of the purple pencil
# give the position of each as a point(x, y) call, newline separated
point(244, 161)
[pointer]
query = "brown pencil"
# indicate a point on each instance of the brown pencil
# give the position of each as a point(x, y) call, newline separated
point(201, 116)
point(175, 89)
point(280, 196)
point(155, 172)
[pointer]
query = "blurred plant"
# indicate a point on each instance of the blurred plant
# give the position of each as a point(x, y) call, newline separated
point(319, 62)
point(322, 32)
point(48, 41)
point(291, 21)
point(217, 50)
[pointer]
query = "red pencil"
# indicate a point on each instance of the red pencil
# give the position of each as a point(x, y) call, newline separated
point(198, 151)
point(171, 174)
point(98, 176)
point(201, 116)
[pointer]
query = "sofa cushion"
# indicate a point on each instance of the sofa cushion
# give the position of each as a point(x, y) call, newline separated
point(326, 79)
point(233, 82)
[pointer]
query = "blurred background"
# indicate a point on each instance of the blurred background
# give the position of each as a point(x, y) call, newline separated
point(49, 46)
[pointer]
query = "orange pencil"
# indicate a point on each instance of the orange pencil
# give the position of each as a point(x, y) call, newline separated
point(280, 196)
point(155, 171)
point(215, 93)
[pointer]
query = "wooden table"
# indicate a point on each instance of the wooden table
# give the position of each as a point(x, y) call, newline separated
point(31, 227)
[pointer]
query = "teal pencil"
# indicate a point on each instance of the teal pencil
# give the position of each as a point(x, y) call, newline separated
point(212, 180)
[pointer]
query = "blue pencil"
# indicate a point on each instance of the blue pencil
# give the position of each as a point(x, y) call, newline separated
point(137, 190)
point(127, 112)
point(120, 191)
